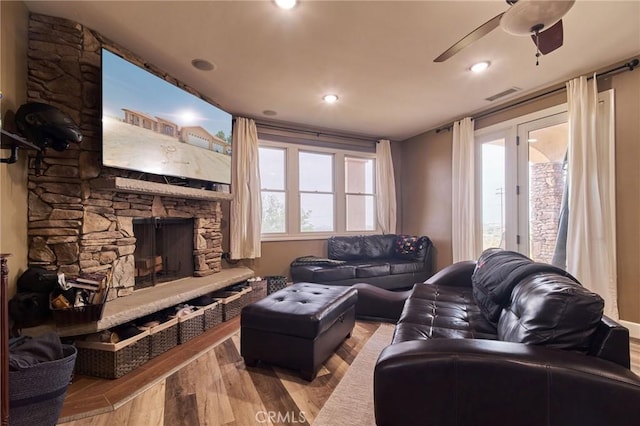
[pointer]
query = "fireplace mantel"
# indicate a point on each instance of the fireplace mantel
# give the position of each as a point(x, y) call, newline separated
point(136, 186)
point(153, 299)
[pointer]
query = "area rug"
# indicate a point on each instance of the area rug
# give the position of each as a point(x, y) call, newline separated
point(352, 400)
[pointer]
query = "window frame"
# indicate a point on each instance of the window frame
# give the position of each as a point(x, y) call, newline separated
point(292, 191)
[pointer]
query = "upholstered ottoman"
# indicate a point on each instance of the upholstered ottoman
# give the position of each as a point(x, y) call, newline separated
point(297, 327)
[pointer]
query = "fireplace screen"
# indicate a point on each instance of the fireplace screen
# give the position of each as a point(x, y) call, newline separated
point(164, 250)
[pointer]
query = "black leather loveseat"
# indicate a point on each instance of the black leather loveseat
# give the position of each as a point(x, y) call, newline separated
point(388, 261)
point(505, 342)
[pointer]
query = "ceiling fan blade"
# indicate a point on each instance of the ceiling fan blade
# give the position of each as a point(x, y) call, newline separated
point(474, 35)
point(549, 39)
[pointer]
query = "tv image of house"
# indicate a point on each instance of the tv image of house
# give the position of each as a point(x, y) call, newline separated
point(156, 145)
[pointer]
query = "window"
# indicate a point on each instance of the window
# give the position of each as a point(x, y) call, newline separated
point(274, 200)
point(313, 192)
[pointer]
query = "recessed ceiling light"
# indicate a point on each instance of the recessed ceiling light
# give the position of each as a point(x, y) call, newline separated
point(286, 4)
point(330, 98)
point(203, 65)
point(480, 66)
point(269, 112)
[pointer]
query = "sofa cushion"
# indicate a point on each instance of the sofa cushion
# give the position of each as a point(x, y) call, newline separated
point(497, 272)
point(372, 270)
point(551, 310)
point(405, 267)
point(346, 248)
point(342, 272)
point(379, 246)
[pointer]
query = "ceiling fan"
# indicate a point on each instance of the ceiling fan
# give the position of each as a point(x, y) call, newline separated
point(541, 19)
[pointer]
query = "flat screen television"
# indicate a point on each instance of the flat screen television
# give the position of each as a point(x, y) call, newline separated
point(152, 126)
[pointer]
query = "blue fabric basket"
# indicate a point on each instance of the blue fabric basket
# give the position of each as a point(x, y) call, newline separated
point(36, 394)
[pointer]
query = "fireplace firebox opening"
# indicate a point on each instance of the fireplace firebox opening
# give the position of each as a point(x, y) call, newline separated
point(164, 250)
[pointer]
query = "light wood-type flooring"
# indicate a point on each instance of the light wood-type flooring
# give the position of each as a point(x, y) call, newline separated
point(213, 388)
point(205, 382)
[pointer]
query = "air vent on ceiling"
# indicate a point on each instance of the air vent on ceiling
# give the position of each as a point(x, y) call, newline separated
point(503, 94)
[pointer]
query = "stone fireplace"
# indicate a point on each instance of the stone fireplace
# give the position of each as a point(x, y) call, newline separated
point(83, 216)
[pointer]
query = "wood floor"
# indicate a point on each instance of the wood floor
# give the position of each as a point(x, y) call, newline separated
point(208, 384)
point(214, 389)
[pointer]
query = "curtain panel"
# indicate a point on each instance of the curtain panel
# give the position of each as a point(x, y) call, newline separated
point(591, 239)
point(463, 220)
point(385, 188)
point(246, 205)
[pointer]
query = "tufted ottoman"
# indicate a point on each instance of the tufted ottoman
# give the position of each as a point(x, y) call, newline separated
point(297, 327)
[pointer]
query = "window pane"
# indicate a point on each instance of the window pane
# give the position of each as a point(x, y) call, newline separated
point(316, 172)
point(547, 177)
point(360, 213)
point(272, 170)
point(358, 175)
point(493, 185)
point(273, 212)
point(316, 212)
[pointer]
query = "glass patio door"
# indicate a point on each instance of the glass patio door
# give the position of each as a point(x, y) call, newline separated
point(542, 171)
point(520, 184)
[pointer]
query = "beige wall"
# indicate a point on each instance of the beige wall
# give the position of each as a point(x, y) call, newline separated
point(426, 184)
point(13, 177)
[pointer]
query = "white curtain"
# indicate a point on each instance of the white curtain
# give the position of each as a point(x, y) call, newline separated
point(246, 205)
point(463, 220)
point(385, 188)
point(591, 239)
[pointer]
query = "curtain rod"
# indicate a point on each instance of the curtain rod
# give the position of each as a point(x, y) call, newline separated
point(313, 132)
point(629, 66)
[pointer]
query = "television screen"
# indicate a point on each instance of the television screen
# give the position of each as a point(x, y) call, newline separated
point(153, 126)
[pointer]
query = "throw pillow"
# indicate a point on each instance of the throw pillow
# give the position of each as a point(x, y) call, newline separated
point(409, 247)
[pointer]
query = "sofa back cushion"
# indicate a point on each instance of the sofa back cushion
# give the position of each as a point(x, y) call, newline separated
point(491, 290)
point(346, 248)
point(379, 246)
point(551, 310)
point(497, 272)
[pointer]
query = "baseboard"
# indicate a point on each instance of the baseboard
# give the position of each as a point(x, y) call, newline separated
point(634, 328)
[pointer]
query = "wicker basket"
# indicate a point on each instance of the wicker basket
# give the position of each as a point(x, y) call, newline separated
point(275, 283)
point(163, 337)
point(233, 301)
point(112, 360)
point(190, 326)
point(212, 315)
point(78, 315)
point(258, 290)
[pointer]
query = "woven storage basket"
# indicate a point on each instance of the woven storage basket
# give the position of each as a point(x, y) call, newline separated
point(258, 290)
point(79, 315)
point(112, 360)
point(212, 315)
point(233, 301)
point(275, 283)
point(190, 326)
point(36, 394)
point(163, 337)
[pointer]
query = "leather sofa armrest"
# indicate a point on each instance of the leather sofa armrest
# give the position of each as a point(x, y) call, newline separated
point(470, 381)
point(456, 275)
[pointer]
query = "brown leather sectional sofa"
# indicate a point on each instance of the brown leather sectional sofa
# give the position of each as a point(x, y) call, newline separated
point(505, 341)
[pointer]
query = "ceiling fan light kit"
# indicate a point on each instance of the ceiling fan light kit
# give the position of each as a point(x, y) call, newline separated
point(541, 19)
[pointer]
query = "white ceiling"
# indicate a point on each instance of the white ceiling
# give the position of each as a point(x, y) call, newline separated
point(377, 56)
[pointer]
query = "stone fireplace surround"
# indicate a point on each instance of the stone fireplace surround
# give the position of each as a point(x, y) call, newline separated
point(80, 213)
